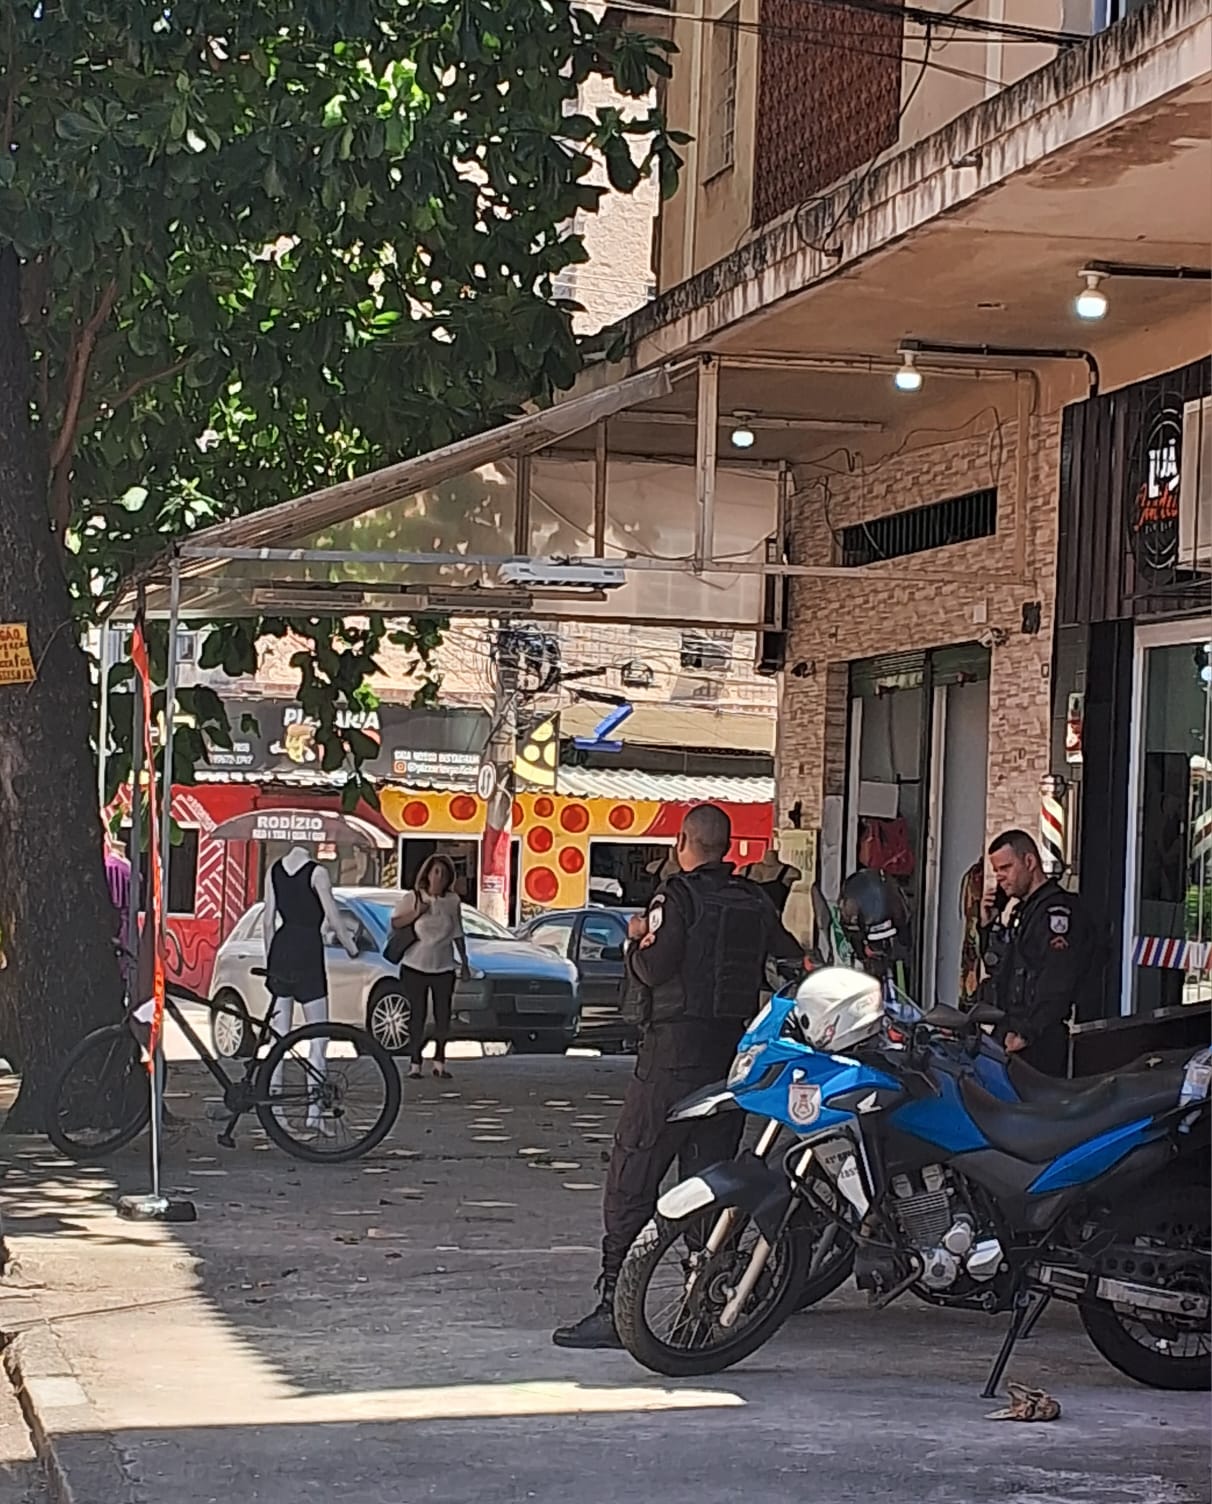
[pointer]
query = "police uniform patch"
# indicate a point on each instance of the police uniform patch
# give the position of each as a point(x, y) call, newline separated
point(1058, 921)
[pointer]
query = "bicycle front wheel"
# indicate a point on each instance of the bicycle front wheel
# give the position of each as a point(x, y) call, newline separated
point(328, 1093)
point(101, 1098)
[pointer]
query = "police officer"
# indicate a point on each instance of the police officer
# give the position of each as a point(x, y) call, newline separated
point(1040, 954)
point(698, 955)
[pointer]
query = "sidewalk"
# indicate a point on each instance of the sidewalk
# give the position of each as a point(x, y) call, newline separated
point(380, 1333)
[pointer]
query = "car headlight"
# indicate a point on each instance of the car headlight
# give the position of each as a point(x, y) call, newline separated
point(744, 1063)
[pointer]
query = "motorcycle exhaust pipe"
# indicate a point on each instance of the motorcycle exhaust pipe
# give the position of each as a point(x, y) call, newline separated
point(757, 1261)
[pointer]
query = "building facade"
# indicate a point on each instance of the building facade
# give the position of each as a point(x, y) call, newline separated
point(880, 233)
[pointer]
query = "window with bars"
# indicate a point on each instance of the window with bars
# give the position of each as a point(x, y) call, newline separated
point(956, 520)
point(719, 132)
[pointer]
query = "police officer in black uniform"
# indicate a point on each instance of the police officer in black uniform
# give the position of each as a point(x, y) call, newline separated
point(1040, 956)
point(698, 956)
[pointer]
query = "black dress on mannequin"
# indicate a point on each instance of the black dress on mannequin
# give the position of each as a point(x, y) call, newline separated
point(296, 953)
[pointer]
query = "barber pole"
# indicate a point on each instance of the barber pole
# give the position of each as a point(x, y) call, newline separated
point(1052, 824)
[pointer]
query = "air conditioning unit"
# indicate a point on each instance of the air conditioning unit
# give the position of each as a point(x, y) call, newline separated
point(550, 574)
point(1195, 487)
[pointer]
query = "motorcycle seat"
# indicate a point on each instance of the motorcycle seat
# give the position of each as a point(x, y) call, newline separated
point(1041, 1131)
point(1033, 1086)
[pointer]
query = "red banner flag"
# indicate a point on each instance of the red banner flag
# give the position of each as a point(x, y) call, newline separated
point(138, 653)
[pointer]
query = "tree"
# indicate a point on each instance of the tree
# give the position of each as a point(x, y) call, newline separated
point(249, 247)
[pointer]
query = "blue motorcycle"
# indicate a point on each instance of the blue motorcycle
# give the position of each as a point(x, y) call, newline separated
point(911, 1145)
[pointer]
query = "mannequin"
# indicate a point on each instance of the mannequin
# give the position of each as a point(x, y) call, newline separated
point(774, 876)
point(298, 904)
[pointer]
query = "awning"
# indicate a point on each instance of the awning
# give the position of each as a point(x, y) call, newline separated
point(725, 730)
point(560, 514)
point(672, 788)
point(307, 827)
point(320, 510)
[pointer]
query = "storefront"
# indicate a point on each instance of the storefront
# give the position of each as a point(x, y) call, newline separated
point(915, 803)
point(1132, 710)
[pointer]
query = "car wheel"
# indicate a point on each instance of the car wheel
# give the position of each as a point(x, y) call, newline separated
point(231, 1033)
point(388, 1018)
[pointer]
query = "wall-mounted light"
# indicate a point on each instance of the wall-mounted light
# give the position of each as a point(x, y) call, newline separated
point(742, 436)
point(908, 378)
point(1091, 302)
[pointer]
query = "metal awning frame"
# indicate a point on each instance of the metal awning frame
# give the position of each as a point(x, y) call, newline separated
point(200, 557)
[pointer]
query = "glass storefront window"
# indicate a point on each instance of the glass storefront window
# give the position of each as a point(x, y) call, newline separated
point(1172, 906)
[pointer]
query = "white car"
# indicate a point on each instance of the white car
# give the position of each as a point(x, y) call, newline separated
point(519, 992)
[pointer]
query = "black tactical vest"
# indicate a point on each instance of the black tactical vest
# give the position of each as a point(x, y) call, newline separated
point(727, 935)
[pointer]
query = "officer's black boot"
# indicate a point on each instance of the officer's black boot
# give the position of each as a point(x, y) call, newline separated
point(596, 1330)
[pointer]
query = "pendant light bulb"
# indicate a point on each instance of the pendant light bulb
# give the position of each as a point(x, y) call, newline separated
point(1091, 302)
point(742, 436)
point(908, 378)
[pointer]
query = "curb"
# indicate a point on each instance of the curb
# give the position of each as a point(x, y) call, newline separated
point(82, 1462)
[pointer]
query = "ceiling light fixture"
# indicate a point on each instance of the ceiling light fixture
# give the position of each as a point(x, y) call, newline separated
point(908, 378)
point(910, 348)
point(743, 437)
point(1091, 302)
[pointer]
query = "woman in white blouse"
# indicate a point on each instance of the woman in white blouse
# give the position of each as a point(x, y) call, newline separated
point(431, 962)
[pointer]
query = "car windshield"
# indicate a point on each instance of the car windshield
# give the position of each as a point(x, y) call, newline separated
point(475, 924)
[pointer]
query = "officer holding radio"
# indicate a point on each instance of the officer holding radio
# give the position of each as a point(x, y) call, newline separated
point(697, 957)
point(1040, 951)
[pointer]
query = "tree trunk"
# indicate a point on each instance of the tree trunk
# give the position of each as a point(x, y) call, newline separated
point(60, 975)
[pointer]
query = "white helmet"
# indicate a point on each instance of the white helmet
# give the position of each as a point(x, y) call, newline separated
point(838, 1008)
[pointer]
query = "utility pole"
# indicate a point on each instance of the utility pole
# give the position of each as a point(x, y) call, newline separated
point(502, 749)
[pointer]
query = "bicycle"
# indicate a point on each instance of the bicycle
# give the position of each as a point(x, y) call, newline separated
point(320, 1107)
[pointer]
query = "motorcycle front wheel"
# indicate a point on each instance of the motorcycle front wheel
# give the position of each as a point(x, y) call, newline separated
point(671, 1294)
point(1164, 1241)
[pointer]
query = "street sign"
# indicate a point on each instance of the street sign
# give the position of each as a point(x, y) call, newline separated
point(486, 781)
point(16, 661)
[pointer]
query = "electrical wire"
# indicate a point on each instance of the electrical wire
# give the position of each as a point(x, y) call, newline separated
point(1002, 30)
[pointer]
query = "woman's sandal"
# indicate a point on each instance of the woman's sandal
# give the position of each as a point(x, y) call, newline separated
point(415, 1074)
point(440, 1073)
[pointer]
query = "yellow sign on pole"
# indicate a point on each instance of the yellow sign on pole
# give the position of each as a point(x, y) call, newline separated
point(16, 663)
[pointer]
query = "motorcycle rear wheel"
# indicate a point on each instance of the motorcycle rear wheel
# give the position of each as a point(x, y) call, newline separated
point(1156, 1350)
point(662, 1243)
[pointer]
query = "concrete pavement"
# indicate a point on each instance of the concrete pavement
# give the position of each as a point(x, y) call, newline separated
point(381, 1333)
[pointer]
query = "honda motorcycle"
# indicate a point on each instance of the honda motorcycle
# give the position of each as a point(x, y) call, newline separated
point(936, 1182)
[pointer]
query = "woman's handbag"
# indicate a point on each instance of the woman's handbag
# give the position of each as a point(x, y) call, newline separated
point(402, 937)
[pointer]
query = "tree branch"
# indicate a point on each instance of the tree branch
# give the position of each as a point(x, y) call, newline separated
point(77, 376)
point(65, 441)
point(112, 404)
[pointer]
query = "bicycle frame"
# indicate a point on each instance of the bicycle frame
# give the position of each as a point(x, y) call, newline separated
point(239, 1094)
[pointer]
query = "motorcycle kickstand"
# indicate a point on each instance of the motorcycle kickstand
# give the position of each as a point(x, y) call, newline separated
point(1024, 1316)
point(1042, 1301)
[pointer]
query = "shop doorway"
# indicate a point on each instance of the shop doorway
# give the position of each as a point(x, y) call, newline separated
point(618, 871)
point(464, 852)
point(1168, 915)
point(916, 794)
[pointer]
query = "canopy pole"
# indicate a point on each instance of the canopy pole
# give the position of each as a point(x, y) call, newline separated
point(706, 443)
point(521, 513)
point(600, 463)
point(157, 1207)
point(164, 835)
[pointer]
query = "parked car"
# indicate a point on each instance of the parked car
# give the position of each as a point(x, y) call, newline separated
point(592, 939)
point(519, 992)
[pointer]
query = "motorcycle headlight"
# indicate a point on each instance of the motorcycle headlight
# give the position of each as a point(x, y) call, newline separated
point(744, 1063)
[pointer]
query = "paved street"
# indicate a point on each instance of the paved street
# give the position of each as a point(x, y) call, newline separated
point(381, 1333)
